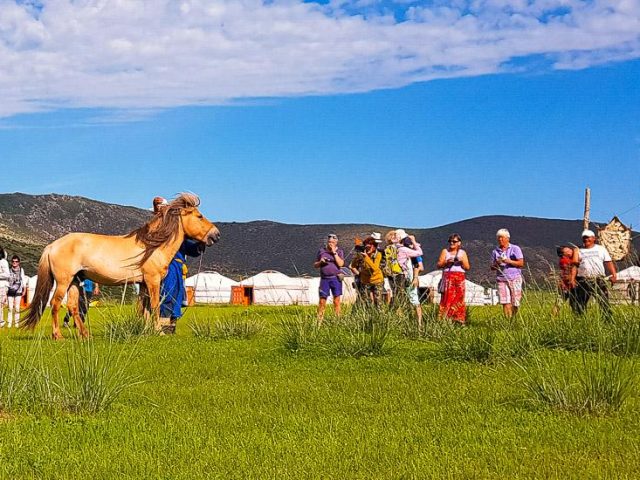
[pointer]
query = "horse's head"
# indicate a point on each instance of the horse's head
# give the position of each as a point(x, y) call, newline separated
point(197, 227)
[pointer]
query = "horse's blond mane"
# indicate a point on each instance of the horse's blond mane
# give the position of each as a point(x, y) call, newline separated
point(163, 227)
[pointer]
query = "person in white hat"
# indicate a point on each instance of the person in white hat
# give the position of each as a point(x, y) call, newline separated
point(507, 261)
point(590, 280)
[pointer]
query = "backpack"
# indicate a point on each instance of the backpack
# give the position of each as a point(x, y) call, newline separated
point(15, 283)
point(391, 266)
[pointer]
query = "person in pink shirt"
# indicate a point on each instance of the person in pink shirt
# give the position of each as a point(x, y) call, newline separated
point(404, 256)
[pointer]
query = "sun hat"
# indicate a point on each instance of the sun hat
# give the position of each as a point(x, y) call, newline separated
point(588, 233)
point(401, 233)
point(377, 236)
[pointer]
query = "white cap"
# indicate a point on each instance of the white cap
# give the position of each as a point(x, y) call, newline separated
point(401, 233)
point(588, 233)
point(377, 236)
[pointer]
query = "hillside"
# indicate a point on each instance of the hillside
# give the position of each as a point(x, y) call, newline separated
point(28, 222)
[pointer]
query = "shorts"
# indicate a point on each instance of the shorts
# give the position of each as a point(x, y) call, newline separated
point(412, 295)
point(510, 292)
point(330, 285)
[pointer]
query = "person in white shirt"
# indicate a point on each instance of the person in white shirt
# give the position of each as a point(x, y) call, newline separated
point(590, 280)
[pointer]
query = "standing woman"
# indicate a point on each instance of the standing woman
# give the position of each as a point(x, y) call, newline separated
point(4, 283)
point(17, 283)
point(507, 261)
point(454, 262)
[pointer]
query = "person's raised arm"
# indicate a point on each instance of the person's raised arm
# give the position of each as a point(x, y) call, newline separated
point(613, 275)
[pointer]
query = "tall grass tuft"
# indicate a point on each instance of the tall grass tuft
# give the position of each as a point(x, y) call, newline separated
point(77, 379)
point(625, 336)
point(599, 386)
point(13, 381)
point(469, 345)
point(92, 381)
point(570, 333)
point(436, 329)
point(363, 332)
point(239, 326)
point(298, 331)
point(124, 324)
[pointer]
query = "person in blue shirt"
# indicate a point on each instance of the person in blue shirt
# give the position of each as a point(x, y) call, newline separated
point(172, 291)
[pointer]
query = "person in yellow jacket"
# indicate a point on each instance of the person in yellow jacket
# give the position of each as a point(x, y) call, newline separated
point(370, 273)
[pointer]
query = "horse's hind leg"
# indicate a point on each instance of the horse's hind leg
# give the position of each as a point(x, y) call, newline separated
point(73, 305)
point(56, 301)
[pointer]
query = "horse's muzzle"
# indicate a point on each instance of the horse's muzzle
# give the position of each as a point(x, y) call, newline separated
point(212, 236)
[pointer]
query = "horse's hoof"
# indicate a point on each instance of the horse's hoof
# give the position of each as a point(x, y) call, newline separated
point(57, 336)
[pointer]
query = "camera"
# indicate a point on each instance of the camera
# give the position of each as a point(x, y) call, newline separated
point(359, 248)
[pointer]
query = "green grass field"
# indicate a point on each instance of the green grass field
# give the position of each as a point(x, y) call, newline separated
point(458, 403)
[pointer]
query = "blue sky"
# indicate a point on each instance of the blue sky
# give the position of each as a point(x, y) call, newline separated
point(412, 114)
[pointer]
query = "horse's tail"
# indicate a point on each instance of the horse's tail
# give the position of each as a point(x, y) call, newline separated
point(41, 296)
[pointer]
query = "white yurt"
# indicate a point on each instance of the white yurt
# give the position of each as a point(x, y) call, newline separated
point(474, 294)
point(275, 288)
point(631, 273)
point(627, 288)
point(211, 287)
point(32, 288)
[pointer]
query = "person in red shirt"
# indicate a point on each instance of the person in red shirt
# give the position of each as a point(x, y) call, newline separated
point(567, 263)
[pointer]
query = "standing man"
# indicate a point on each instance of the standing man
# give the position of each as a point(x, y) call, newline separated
point(507, 261)
point(172, 290)
point(590, 279)
point(330, 259)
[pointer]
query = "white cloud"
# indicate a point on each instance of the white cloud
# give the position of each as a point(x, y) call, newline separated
point(149, 54)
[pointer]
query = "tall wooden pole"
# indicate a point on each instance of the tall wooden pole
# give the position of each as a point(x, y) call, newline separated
point(587, 208)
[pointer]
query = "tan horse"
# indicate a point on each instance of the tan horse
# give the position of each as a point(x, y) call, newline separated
point(141, 256)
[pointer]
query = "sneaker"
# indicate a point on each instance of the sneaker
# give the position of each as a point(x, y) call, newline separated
point(16, 325)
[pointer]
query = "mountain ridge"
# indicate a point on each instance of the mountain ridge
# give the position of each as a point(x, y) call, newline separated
point(29, 222)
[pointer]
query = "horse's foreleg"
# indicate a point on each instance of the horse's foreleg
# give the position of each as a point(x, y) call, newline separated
point(154, 302)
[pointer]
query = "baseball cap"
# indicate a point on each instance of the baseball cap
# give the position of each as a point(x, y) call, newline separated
point(588, 233)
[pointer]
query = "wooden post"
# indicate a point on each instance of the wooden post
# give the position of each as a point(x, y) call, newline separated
point(587, 208)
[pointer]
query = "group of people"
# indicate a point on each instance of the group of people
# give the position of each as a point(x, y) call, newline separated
point(399, 261)
point(583, 274)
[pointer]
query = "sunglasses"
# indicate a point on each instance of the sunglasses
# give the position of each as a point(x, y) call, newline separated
point(454, 241)
point(333, 237)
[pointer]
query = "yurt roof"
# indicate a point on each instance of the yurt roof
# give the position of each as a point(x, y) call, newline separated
point(209, 278)
point(631, 273)
point(274, 279)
